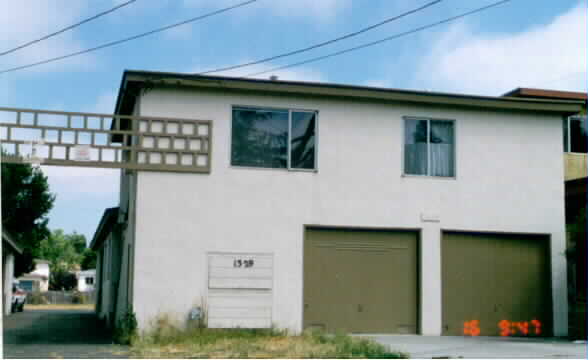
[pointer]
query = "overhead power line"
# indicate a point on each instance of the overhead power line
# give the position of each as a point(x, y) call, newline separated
point(373, 43)
point(117, 42)
point(325, 43)
point(67, 28)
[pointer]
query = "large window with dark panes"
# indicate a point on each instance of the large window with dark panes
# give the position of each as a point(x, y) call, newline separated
point(575, 134)
point(274, 138)
point(429, 147)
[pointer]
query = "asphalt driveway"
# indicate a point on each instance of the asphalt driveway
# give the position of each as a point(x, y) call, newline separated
point(57, 334)
point(482, 347)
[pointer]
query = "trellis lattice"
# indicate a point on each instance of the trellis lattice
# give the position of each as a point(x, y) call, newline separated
point(105, 140)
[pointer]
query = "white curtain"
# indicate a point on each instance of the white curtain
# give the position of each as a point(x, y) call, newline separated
point(415, 147)
point(415, 159)
point(442, 149)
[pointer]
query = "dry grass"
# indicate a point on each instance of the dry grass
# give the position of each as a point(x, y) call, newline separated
point(60, 307)
point(168, 341)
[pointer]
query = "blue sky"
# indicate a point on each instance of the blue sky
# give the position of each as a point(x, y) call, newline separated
point(527, 43)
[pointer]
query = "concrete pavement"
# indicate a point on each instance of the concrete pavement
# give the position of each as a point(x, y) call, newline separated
point(57, 334)
point(482, 346)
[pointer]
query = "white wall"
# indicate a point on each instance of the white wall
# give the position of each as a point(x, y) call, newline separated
point(8, 280)
point(41, 269)
point(509, 179)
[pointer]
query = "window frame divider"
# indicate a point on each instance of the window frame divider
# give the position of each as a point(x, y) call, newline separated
point(288, 147)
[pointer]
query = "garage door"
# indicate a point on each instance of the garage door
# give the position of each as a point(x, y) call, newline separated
point(495, 284)
point(361, 281)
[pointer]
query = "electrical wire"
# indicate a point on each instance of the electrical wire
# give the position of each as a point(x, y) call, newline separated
point(67, 28)
point(421, 28)
point(201, 17)
point(325, 43)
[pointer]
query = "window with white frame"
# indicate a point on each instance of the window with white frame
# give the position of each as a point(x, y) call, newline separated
point(273, 138)
point(575, 134)
point(429, 147)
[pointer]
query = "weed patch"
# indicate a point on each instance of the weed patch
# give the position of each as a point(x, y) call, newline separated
point(167, 339)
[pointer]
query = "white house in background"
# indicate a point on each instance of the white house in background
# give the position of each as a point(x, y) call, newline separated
point(10, 249)
point(341, 207)
point(86, 280)
point(38, 279)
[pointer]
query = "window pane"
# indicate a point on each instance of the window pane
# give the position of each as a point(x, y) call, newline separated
point(442, 145)
point(415, 147)
point(578, 136)
point(565, 133)
point(303, 140)
point(259, 138)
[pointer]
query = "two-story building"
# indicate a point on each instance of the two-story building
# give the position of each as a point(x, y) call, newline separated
point(341, 207)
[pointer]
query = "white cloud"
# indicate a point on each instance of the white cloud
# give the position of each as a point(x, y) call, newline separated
point(376, 83)
point(545, 56)
point(317, 9)
point(23, 21)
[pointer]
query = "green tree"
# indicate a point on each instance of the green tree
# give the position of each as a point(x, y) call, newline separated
point(61, 250)
point(89, 260)
point(62, 280)
point(26, 202)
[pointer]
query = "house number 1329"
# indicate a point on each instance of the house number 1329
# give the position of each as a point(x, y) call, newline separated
point(239, 263)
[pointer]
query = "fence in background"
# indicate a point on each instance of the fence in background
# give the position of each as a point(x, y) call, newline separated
point(62, 297)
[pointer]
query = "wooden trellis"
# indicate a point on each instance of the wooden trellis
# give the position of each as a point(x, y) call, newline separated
point(105, 140)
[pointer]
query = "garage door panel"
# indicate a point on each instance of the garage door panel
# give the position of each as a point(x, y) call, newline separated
point(494, 277)
point(360, 281)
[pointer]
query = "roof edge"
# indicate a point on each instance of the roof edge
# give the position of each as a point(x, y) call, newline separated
point(346, 91)
point(108, 219)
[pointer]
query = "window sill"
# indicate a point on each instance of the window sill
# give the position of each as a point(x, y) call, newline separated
point(274, 169)
point(428, 177)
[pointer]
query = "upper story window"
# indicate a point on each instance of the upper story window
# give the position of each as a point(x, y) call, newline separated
point(575, 134)
point(429, 147)
point(274, 138)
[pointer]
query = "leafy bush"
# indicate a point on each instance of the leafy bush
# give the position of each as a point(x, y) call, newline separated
point(79, 298)
point(125, 330)
point(37, 298)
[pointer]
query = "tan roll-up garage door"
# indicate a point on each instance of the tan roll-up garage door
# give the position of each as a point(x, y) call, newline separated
point(496, 284)
point(361, 281)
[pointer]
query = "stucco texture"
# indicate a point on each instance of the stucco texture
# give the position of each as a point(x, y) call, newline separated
point(509, 178)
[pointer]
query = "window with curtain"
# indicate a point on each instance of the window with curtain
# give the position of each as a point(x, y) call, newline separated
point(274, 138)
point(429, 147)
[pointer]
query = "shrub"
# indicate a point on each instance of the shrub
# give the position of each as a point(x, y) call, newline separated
point(37, 298)
point(125, 330)
point(79, 298)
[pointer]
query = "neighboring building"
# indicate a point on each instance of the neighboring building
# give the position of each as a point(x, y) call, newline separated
point(10, 250)
point(38, 279)
point(575, 146)
point(575, 134)
point(340, 207)
point(110, 283)
point(86, 280)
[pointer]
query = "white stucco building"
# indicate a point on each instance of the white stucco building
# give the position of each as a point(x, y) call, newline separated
point(343, 207)
point(38, 279)
point(86, 280)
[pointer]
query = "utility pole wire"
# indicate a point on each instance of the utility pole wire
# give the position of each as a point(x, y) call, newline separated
point(201, 17)
point(68, 28)
point(379, 41)
point(347, 36)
